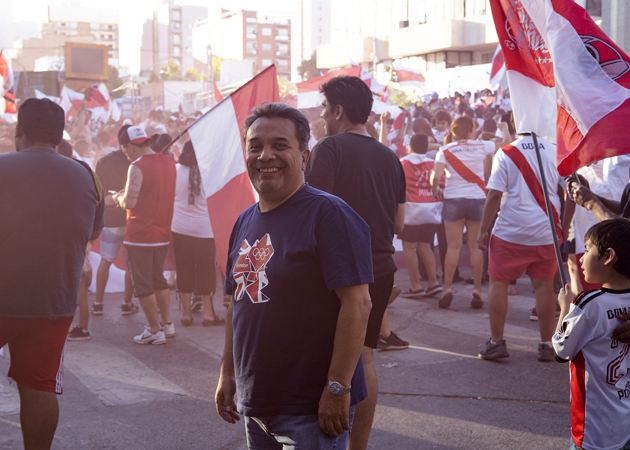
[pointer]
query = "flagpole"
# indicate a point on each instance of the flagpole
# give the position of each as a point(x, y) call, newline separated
point(543, 181)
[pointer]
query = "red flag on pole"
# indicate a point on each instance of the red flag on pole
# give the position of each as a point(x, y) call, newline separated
point(218, 140)
point(497, 70)
point(585, 92)
point(308, 91)
point(217, 93)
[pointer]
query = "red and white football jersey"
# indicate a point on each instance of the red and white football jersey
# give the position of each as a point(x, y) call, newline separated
point(421, 208)
point(600, 369)
point(521, 219)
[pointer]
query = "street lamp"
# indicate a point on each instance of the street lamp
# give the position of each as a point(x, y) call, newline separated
point(209, 55)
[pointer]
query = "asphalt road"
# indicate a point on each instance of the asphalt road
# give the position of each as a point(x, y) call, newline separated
point(436, 395)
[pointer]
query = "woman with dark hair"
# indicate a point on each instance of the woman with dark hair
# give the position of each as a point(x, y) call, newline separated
point(467, 163)
point(193, 240)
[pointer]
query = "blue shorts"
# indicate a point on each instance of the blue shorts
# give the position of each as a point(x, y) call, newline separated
point(111, 241)
point(470, 209)
point(575, 447)
point(302, 432)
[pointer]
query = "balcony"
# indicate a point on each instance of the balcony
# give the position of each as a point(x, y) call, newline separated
point(280, 53)
point(449, 34)
point(282, 38)
point(251, 52)
point(252, 36)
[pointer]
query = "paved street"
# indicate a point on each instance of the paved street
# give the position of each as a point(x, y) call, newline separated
point(437, 395)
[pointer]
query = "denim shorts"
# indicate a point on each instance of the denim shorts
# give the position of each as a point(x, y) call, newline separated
point(471, 209)
point(298, 432)
point(575, 447)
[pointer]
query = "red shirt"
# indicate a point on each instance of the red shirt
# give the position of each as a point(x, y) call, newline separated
point(149, 222)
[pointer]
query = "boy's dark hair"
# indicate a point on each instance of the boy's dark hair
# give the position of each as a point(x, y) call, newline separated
point(351, 93)
point(489, 125)
point(41, 120)
point(419, 143)
point(442, 115)
point(615, 234)
point(122, 130)
point(282, 111)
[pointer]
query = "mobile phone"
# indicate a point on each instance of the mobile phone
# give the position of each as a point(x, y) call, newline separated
point(112, 192)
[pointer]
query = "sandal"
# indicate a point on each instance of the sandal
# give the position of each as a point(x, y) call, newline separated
point(446, 300)
point(211, 323)
point(410, 293)
point(476, 302)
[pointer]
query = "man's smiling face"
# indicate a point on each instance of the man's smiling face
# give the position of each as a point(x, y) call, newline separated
point(275, 163)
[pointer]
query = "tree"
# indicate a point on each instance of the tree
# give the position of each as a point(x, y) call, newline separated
point(154, 77)
point(171, 72)
point(193, 74)
point(308, 68)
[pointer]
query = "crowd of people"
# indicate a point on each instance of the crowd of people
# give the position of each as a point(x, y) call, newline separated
point(310, 270)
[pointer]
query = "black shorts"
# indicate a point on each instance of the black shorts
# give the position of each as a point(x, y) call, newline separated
point(380, 291)
point(194, 262)
point(418, 233)
point(145, 265)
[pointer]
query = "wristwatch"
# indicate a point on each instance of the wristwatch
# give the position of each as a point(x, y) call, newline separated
point(337, 388)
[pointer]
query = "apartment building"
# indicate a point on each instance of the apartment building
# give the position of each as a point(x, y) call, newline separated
point(310, 26)
point(262, 38)
point(168, 36)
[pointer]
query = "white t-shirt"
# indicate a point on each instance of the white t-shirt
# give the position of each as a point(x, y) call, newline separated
point(421, 208)
point(472, 154)
point(439, 135)
point(600, 369)
point(606, 178)
point(190, 220)
point(521, 219)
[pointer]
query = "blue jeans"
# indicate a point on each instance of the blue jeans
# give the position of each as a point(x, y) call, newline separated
point(575, 447)
point(292, 433)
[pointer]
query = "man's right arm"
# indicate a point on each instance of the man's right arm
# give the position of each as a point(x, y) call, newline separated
point(226, 389)
point(129, 199)
point(602, 208)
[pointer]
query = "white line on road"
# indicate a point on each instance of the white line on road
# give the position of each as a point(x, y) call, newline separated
point(116, 377)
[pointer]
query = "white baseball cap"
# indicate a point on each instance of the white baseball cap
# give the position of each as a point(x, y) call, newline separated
point(134, 135)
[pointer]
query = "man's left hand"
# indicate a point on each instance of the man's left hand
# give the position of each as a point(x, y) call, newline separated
point(482, 241)
point(333, 413)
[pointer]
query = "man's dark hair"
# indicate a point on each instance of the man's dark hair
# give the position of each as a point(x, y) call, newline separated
point(419, 143)
point(159, 144)
point(352, 94)
point(65, 149)
point(615, 234)
point(122, 130)
point(281, 111)
point(41, 120)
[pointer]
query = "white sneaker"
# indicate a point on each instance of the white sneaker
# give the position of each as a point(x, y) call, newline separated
point(149, 338)
point(169, 330)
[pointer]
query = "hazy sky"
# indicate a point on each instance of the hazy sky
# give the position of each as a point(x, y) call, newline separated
point(132, 14)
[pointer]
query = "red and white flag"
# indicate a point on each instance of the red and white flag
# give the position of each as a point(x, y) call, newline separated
point(217, 93)
point(374, 85)
point(409, 77)
point(497, 69)
point(6, 74)
point(69, 98)
point(385, 96)
point(308, 91)
point(218, 140)
point(565, 73)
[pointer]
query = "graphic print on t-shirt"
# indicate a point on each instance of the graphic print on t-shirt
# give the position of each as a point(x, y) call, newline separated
point(249, 270)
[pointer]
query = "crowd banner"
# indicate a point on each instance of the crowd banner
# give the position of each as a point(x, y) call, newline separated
point(564, 72)
point(218, 140)
point(308, 91)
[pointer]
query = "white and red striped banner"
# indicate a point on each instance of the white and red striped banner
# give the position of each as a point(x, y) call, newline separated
point(308, 91)
point(218, 140)
point(566, 74)
point(409, 77)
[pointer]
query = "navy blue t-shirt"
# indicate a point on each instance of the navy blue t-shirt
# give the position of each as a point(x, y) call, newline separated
point(283, 266)
point(48, 211)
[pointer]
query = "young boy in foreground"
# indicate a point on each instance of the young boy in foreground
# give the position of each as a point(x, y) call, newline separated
point(600, 365)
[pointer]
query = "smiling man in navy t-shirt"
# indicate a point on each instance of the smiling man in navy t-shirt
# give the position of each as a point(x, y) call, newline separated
point(298, 270)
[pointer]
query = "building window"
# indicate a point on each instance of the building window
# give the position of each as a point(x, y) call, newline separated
point(266, 47)
point(266, 62)
point(283, 63)
point(266, 31)
point(283, 31)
